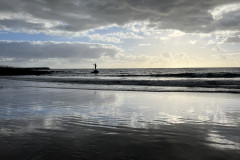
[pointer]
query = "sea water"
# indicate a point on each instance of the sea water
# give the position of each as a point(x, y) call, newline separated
point(157, 79)
point(73, 114)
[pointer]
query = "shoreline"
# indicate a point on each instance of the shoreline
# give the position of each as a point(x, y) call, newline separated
point(55, 123)
point(125, 90)
point(38, 83)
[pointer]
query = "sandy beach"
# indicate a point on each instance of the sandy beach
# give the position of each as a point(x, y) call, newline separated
point(54, 123)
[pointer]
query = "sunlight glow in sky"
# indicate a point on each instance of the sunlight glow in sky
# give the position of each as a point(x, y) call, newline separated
point(120, 34)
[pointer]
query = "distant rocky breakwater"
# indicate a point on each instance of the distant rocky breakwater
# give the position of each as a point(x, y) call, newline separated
point(14, 71)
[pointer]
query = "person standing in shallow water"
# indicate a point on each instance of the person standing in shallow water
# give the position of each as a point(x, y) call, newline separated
point(95, 70)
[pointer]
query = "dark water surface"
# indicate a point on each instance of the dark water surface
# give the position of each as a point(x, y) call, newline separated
point(48, 123)
point(225, 80)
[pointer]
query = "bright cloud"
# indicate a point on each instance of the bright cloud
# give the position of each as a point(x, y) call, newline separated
point(219, 12)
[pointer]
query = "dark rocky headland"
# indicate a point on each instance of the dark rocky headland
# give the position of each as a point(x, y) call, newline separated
point(13, 71)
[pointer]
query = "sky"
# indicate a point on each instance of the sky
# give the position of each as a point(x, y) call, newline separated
point(120, 33)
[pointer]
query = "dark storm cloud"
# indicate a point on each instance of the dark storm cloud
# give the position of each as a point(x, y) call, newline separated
point(79, 15)
point(21, 25)
point(39, 50)
point(230, 21)
point(233, 39)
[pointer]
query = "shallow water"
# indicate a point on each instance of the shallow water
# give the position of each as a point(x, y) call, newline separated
point(52, 123)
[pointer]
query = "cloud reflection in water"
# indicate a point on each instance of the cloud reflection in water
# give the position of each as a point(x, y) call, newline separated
point(207, 119)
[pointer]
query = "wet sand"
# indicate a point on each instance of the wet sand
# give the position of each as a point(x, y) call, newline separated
point(48, 123)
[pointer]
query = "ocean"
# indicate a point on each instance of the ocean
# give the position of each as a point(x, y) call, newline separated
point(152, 80)
point(170, 114)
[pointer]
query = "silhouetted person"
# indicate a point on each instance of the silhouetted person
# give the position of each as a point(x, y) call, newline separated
point(95, 70)
point(95, 65)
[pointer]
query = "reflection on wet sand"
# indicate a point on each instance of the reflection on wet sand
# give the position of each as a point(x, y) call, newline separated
point(42, 123)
